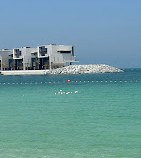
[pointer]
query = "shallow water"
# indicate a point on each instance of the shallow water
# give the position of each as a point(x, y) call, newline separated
point(93, 116)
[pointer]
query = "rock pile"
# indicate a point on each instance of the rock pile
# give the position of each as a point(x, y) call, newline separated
point(85, 69)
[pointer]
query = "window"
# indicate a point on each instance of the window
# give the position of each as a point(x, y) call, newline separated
point(17, 53)
point(42, 50)
point(64, 51)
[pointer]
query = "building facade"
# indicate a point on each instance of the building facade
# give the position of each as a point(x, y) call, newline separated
point(40, 58)
point(5, 56)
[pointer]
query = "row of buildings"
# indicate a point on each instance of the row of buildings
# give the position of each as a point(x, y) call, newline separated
point(43, 57)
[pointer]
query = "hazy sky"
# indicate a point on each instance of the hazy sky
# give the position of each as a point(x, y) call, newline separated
point(102, 31)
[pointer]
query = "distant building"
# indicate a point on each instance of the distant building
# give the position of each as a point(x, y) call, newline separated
point(43, 57)
point(5, 56)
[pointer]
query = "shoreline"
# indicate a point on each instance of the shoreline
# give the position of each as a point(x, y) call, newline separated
point(72, 69)
point(24, 72)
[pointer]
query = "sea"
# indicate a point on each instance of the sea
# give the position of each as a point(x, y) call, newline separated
point(92, 116)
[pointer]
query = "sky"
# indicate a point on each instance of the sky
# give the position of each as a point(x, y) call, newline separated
point(101, 31)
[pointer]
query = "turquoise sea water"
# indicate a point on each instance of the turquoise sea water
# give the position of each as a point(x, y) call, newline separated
point(93, 116)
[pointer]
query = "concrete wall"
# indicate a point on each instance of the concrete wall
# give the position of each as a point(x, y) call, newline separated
point(26, 55)
point(59, 57)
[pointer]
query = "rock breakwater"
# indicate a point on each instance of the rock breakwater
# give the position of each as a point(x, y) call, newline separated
point(85, 69)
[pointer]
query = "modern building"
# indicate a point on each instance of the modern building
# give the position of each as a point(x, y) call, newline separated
point(5, 56)
point(43, 57)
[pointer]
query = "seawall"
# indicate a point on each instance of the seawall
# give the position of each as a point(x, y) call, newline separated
point(85, 69)
point(72, 69)
point(24, 72)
